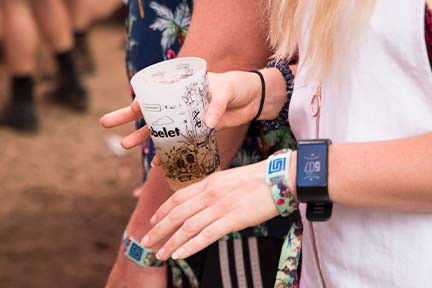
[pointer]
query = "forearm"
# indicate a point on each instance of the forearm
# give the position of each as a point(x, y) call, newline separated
point(392, 175)
point(229, 142)
point(230, 35)
point(155, 192)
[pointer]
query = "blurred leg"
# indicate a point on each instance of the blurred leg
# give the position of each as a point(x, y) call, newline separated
point(81, 14)
point(54, 21)
point(20, 59)
point(20, 51)
point(101, 9)
point(81, 17)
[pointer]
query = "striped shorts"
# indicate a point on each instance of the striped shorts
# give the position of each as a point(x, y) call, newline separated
point(239, 263)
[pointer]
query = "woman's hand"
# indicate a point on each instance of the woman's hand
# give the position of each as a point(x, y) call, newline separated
point(235, 99)
point(202, 213)
point(123, 116)
point(232, 104)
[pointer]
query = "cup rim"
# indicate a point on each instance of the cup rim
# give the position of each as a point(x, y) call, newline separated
point(140, 73)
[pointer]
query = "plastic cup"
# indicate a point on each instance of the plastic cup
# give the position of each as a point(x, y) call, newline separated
point(173, 96)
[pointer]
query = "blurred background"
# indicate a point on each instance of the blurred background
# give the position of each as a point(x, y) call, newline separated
point(66, 190)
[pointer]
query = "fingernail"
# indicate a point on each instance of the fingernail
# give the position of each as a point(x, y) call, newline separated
point(210, 121)
point(152, 164)
point(145, 240)
point(153, 220)
point(160, 254)
point(177, 254)
point(135, 107)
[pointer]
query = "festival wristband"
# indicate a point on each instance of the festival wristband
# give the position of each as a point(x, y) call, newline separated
point(277, 175)
point(135, 252)
point(144, 257)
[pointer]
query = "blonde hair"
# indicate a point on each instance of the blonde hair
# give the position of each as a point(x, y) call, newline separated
point(286, 20)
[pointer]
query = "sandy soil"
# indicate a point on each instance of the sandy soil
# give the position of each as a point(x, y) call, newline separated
point(65, 196)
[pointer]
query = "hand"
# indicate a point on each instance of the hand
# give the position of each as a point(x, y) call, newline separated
point(123, 116)
point(127, 115)
point(202, 213)
point(235, 99)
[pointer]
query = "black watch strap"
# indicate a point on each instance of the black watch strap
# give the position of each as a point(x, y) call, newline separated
point(318, 212)
point(312, 178)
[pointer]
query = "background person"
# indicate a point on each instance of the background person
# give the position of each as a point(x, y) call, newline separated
point(20, 18)
point(82, 15)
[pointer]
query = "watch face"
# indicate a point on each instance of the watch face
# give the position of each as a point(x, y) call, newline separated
point(312, 165)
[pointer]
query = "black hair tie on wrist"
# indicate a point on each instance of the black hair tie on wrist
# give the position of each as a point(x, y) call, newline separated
point(263, 93)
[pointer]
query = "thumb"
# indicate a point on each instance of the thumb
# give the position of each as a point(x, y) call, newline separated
point(217, 107)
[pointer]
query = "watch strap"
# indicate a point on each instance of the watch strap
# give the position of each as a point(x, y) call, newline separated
point(319, 212)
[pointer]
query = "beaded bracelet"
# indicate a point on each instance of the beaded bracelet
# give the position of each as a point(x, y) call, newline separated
point(277, 176)
point(283, 67)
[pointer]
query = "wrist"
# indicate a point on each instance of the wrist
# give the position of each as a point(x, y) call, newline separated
point(252, 90)
point(276, 95)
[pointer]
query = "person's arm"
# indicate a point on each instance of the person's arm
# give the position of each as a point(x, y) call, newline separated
point(125, 273)
point(392, 175)
point(229, 35)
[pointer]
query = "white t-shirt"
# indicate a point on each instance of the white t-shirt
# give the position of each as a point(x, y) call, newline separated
point(385, 93)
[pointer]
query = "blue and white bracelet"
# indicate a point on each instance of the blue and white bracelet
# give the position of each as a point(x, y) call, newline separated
point(277, 176)
point(144, 257)
point(135, 252)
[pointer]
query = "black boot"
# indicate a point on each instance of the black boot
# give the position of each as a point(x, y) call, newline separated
point(71, 95)
point(20, 112)
point(82, 53)
point(69, 91)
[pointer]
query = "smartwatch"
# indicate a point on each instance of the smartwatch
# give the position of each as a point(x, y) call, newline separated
point(312, 178)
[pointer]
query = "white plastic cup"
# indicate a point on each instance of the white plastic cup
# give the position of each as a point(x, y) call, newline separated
point(173, 96)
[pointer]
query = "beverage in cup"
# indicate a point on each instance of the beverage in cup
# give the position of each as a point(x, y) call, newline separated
point(173, 96)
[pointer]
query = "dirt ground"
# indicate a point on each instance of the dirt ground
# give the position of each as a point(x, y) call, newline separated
point(65, 195)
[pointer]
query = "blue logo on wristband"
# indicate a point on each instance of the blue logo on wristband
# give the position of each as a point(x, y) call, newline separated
point(136, 252)
point(277, 165)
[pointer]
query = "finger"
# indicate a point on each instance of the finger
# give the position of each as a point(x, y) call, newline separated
point(207, 236)
point(156, 161)
point(217, 107)
point(135, 138)
point(158, 246)
point(135, 106)
point(138, 191)
point(119, 117)
point(173, 220)
point(190, 228)
point(177, 199)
